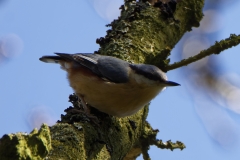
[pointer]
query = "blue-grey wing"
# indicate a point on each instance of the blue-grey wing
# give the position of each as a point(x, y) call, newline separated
point(110, 68)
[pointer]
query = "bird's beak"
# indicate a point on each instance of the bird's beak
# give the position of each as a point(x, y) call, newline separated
point(170, 83)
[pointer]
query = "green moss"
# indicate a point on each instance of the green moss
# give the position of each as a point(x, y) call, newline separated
point(111, 139)
point(142, 35)
point(35, 145)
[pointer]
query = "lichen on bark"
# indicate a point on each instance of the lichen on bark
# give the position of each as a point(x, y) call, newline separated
point(143, 35)
point(35, 145)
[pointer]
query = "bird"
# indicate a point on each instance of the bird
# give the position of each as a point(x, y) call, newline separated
point(109, 84)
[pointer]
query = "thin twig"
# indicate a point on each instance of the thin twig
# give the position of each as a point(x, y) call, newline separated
point(218, 47)
point(169, 145)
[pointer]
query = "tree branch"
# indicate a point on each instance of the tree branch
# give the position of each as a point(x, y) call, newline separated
point(218, 47)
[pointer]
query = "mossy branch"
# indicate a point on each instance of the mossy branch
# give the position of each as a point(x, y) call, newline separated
point(35, 145)
point(169, 145)
point(218, 47)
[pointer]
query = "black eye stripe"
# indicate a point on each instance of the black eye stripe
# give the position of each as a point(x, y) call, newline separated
point(149, 71)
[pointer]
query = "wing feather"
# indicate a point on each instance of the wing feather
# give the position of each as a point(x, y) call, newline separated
point(106, 67)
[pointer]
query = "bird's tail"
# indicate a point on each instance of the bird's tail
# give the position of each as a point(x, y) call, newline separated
point(51, 59)
point(56, 59)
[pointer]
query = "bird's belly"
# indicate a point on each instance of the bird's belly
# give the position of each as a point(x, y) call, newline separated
point(117, 99)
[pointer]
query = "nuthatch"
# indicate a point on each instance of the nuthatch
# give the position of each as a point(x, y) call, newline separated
point(109, 84)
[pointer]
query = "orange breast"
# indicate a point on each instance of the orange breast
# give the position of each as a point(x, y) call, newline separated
point(118, 99)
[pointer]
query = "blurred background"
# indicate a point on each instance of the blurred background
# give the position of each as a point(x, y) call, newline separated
point(204, 112)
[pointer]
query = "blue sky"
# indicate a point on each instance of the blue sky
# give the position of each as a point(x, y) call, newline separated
point(32, 92)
